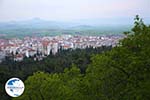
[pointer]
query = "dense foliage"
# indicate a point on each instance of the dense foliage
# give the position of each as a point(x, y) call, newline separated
point(120, 74)
point(51, 64)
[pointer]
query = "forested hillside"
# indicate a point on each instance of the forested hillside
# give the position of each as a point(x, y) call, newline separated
point(51, 64)
point(120, 74)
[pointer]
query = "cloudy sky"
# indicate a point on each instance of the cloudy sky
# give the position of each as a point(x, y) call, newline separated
point(68, 10)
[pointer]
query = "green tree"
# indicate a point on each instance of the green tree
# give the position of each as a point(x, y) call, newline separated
point(123, 73)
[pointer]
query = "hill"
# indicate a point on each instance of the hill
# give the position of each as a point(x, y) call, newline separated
point(39, 27)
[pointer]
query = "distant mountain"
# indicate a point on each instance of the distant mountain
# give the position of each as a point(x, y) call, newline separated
point(83, 27)
point(40, 27)
point(36, 23)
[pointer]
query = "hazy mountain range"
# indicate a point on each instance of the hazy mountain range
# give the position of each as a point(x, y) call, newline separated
point(40, 27)
point(38, 23)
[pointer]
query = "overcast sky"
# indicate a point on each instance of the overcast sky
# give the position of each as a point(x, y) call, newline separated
point(67, 10)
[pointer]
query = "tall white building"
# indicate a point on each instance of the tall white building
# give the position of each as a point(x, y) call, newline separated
point(55, 47)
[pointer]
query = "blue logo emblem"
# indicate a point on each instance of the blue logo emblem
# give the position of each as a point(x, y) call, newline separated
point(14, 87)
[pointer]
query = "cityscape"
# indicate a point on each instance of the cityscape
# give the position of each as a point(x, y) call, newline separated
point(40, 47)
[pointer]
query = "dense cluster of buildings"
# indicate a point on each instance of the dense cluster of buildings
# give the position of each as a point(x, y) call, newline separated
point(38, 48)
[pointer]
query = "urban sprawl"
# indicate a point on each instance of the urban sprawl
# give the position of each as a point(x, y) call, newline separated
point(40, 47)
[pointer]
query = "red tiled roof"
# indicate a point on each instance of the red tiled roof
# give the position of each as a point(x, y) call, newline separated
point(45, 43)
point(19, 56)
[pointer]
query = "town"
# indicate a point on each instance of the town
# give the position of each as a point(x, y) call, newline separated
point(40, 47)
